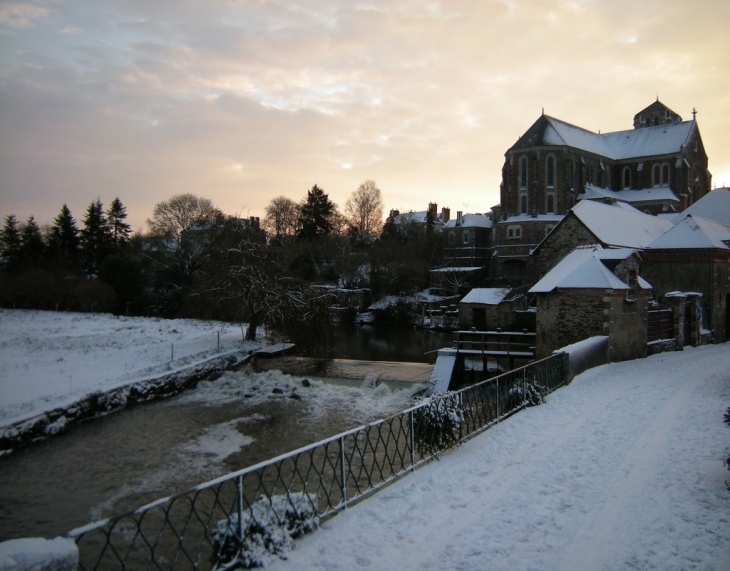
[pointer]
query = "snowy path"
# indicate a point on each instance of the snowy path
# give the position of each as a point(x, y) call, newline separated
point(620, 470)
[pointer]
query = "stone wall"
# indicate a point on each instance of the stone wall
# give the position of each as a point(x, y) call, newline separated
point(570, 233)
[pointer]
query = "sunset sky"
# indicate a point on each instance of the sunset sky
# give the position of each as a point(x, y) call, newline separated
point(242, 101)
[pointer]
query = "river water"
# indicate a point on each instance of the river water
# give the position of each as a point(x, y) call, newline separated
point(119, 462)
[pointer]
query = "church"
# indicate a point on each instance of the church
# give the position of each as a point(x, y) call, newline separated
point(658, 167)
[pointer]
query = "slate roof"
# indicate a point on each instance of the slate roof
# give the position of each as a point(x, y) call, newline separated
point(486, 295)
point(620, 227)
point(470, 221)
point(694, 232)
point(715, 205)
point(583, 268)
point(633, 143)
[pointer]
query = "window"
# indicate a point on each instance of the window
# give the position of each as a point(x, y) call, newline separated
point(655, 175)
point(665, 174)
point(452, 237)
point(523, 172)
point(466, 237)
point(514, 232)
point(627, 177)
point(523, 203)
point(550, 207)
point(550, 171)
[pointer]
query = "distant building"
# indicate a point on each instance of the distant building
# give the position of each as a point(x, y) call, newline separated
point(404, 219)
point(660, 166)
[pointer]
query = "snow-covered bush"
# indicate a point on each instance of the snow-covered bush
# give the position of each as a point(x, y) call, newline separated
point(532, 394)
point(437, 423)
point(268, 530)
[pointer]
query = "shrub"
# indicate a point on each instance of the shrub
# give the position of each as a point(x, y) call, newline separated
point(437, 423)
point(269, 527)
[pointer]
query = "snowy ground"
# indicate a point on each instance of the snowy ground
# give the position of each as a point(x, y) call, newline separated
point(51, 360)
point(622, 469)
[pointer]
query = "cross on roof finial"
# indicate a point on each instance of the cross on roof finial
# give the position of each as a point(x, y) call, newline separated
point(694, 113)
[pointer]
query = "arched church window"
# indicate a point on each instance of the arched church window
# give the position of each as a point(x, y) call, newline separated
point(550, 174)
point(523, 172)
point(627, 177)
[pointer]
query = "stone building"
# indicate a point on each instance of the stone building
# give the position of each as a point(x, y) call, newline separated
point(468, 240)
point(588, 222)
point(659, 166)
point(593, 292)
point(694, 256)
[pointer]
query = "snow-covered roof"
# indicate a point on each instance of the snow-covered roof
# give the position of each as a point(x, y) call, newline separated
point(619, 226)
point(714, 205)
point(470, 221)
point(457, 269)
point(693, 232)
point(522, 218)
point(654, 194)
point(647, 141)
point(583, 268)
point(486, 295)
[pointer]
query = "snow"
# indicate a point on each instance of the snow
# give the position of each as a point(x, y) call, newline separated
point(470, 221)
point(693, 232)
point(622, 469)
point(714, 205)
point(583, 268)
point(486, 295)
point(644, 142)
point(620, 227)
point(37, 554)
point(659, 193)
point(53, 359)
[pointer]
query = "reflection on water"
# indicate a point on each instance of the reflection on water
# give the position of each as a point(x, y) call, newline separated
point(373, 343)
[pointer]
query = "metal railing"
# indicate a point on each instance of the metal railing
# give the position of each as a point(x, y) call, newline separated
point(227, 522)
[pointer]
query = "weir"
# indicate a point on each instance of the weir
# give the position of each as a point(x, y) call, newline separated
point(479, 355)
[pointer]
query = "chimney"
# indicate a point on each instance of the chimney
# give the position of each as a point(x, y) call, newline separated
point(458, 217)
point(445, 214)
point(433, 209)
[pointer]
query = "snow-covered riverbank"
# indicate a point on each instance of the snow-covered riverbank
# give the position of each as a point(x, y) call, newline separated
point(53, 360)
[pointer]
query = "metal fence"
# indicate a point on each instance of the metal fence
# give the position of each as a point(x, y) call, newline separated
point(228, 522)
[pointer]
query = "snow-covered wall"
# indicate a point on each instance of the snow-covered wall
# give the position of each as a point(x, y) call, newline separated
point(586, 354)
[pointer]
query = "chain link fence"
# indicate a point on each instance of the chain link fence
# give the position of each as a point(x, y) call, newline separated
point(239, 519)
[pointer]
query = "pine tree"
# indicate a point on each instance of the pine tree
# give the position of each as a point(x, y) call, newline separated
point(95, 237)
point(316, 215)
point(31, 241)
point(119, 230)
point(10, 240)
point(64, 236)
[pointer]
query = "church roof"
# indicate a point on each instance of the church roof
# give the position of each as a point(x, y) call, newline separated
point(654, 194)
point(649, 141)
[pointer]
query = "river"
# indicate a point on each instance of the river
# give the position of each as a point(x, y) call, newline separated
point(116, 463)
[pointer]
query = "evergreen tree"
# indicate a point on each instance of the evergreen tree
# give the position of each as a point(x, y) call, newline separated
point(31, 241)
point(95, 237)
point(64, 236)
point(119, 230)
point(316, 215)
point(10, 240)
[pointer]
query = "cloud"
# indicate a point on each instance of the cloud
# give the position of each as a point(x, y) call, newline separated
point(244, 101)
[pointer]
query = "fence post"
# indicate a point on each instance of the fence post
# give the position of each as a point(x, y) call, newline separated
point(343, 478)
point(239, 490)
point(497, 399)
point(412, 439)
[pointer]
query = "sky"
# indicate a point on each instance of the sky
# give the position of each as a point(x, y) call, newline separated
point(243, 101)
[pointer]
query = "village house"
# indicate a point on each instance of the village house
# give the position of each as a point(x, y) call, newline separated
point(594, 292)
point(659, 166)
point(694, 256)
point(483, 309)
point(468, 240)
point(588, 222)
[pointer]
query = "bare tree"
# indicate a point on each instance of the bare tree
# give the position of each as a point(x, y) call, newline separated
point(365, 209)
point(171, 218)
point(282, 216)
